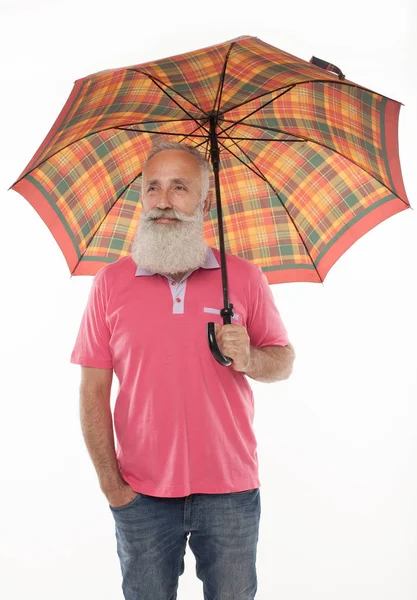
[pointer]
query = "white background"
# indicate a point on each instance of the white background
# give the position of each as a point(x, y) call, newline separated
point(337, 442)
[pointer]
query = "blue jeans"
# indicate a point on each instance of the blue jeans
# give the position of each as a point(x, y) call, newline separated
point(152, 532)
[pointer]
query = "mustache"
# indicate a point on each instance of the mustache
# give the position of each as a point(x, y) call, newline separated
point(167, 214)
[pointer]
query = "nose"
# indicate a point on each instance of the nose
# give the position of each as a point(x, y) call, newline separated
point(164, 201)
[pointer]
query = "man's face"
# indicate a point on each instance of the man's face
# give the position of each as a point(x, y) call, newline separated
point(169, 238)
point(171, 183)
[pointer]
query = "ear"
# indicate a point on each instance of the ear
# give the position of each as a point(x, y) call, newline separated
point(207, 202)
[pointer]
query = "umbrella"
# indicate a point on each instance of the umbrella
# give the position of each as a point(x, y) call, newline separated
point(305, 162)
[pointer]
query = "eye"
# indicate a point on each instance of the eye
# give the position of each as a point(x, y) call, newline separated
point(151, 188)
point(179, 187)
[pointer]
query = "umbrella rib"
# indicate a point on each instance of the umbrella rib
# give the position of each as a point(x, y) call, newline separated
point(257, 109)
point(262, 176)
point(185, 135)
point(256, 172)
point(207, 152)
point(201, 144)
point(241, 139)
point(263, 127)
point(307, 139)
point(158, 121)
point(157, 82)
point(217, 99)
point(275, 130)
point(285, 87)
point(163, 132)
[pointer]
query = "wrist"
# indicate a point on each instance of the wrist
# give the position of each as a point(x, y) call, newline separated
point(248, 365)
point(111, 485)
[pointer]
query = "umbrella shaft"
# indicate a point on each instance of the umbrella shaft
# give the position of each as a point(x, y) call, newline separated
point(227, 311)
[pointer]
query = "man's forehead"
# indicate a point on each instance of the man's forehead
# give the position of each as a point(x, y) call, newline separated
point(171, 179)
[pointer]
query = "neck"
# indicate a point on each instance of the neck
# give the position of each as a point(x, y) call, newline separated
point(178, 276)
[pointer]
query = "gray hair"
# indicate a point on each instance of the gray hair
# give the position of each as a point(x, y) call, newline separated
point(202, 161)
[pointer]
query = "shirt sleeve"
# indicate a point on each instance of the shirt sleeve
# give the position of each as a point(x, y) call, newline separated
point(92, 345)
point(264, 324)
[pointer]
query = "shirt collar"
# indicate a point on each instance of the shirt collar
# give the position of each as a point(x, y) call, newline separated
point(210, 262)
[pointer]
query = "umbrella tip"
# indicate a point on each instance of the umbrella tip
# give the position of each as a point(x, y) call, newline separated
point(243, 37)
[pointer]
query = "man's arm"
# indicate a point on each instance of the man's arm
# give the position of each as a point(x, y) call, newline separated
point(97, 426)
point(271, 363)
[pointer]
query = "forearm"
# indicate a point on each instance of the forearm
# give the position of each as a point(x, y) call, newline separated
point(271, 363)
point(97, 429)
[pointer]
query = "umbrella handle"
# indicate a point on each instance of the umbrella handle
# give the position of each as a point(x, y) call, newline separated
point(225, 361)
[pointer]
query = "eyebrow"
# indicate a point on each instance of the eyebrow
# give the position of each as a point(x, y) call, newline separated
point(176, 180)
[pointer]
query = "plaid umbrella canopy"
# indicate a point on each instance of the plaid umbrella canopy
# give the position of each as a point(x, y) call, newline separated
point(308, 160)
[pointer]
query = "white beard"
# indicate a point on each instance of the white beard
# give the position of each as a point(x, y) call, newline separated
point(170, 248)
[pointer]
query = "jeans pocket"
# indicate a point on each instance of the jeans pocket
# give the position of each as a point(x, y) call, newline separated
point(126, 505)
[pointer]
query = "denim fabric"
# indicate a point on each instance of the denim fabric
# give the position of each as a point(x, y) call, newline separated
point(152, 532)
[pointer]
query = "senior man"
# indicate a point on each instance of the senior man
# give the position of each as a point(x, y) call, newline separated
point(185, 462)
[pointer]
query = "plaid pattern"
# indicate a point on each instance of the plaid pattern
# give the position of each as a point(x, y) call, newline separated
point(309, 163)
point(345, 119)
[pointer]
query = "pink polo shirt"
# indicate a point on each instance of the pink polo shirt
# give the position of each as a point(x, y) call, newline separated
point(183, 422)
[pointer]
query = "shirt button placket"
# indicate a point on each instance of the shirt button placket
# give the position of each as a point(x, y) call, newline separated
point(180, 291)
